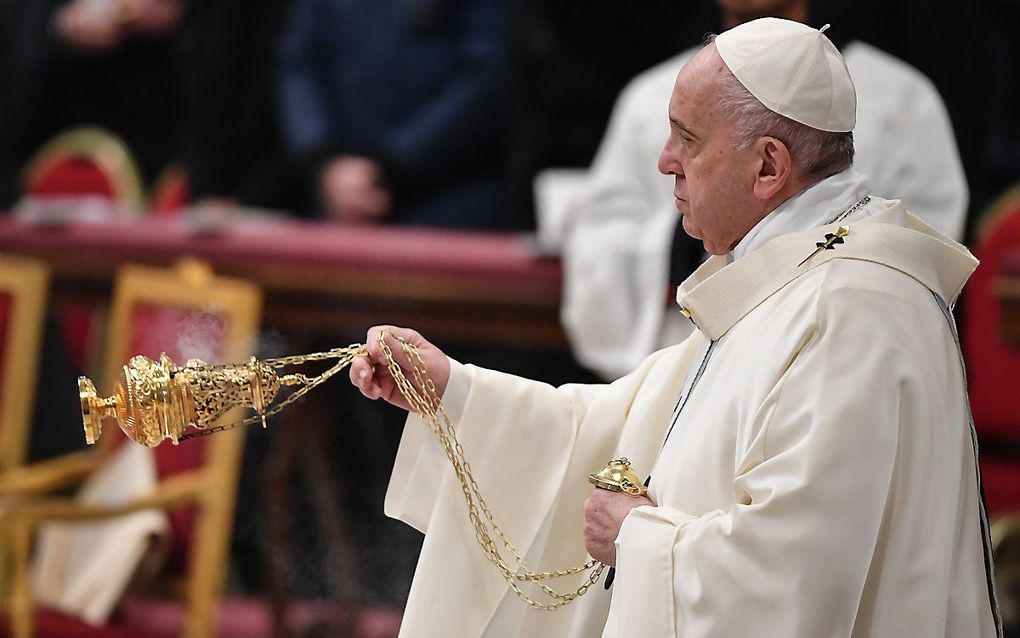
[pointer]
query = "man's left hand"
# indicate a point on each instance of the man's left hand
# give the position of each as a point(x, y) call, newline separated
point(604, 512)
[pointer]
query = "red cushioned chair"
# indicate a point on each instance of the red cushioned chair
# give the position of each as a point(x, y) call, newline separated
point(993, 365)
point(85, 161)
point(185, 312)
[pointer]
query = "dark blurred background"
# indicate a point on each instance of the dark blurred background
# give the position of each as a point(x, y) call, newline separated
point(412, 113)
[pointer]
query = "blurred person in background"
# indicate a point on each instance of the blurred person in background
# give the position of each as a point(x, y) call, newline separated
point(625, 248)
point(393, 112)
point(78, 62)
point(186, 85)
point(396, 111)
point(111, 63)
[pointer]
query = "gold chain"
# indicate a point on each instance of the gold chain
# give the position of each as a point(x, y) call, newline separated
point(423, 399)
point(421, 396)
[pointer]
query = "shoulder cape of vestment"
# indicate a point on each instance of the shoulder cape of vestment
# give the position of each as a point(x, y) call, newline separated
point(719, 294)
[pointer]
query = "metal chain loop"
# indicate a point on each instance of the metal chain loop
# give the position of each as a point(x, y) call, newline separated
point(422, 397)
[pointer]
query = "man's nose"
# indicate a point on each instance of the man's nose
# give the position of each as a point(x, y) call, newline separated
point(668, 163)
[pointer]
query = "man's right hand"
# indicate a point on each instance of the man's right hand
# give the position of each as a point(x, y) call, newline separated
point(371, 373)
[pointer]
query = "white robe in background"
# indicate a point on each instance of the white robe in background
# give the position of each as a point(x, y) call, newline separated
point(818, 478)
point(620, 228)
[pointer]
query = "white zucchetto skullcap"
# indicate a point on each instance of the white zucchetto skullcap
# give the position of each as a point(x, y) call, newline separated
point(793, 70)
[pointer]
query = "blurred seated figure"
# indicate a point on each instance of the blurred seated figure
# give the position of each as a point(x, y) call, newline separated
point(107, 63)
point(188, 86)
point(82, 173)
point(395, 111)
point(624, 248)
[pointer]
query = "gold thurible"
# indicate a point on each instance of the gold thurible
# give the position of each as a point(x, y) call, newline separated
point(155, 400)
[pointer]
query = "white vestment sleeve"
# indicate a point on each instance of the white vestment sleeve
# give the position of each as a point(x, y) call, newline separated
point(421, 462)
point(822, 467)
point(619, 235)
point(414, 483)
point(531, 447)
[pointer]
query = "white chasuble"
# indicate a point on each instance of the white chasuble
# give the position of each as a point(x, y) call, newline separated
point(810, 455)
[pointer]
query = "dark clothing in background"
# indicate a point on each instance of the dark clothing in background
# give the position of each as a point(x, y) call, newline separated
point(200, 97)
point(22, 24)
point(1003, 139)
point(571, 58)
point(56, 413)
point(949, 42)
point(420, 86)
point(230, 141)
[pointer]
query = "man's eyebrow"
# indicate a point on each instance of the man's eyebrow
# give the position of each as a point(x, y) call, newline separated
point(682, 126)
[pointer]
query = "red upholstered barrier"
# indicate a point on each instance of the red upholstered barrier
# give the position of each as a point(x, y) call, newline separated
point(51, 624)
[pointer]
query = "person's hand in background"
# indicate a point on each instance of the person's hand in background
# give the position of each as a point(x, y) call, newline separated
point(351, 190)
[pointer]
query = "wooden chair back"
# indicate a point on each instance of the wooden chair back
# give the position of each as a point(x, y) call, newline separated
point(187, 313)
point(23, 284)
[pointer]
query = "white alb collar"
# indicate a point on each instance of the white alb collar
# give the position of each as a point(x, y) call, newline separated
point(817, 205)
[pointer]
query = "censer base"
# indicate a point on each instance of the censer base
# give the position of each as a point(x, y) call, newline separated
point(93, 409)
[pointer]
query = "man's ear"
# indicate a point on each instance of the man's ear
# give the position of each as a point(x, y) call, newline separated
point(775, 168)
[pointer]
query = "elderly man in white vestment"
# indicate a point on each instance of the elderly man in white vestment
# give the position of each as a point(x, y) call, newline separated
point(623, 246)
point(811, 466)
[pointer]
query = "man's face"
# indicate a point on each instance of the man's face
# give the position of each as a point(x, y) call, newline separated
point(713, 181)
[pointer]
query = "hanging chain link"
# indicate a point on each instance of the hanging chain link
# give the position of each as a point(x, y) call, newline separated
point(423, 399)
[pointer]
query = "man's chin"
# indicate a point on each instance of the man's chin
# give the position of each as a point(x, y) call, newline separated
point(689, 228)
point(712, 248)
